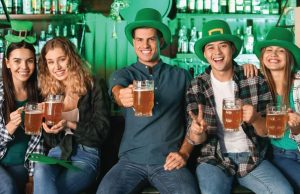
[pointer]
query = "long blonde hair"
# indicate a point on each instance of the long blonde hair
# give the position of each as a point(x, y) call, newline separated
point(79, 77)
point(287, 76)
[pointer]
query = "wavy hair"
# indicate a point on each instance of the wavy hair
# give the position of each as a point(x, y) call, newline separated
point(287, 76)
point(79, 76)
point(8, 86)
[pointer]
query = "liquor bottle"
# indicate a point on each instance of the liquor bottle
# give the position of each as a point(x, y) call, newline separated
point(239, 6)
point(16, 7)
point(215, 6)
point(73, 37)
point(256, 6)
point(239, 33)
point(181, 6)
point(289, 11)
point(8, 4)
point(193, 40)
point(54, 7)
point(46, 6)
point(75, 6)
point(49, 34)
point(36, 6)
point(231, 6)
point(57, 31)
point(224, 7)
point(191, 6)
point(247, 6)
point(27, 7)
point(42, 40)
point(183, 40)
point(62, 6)
point(249, 38)
point(265, 7)
point(207, 6)
point(274, 7)
point(199, 6)
point(65, 31)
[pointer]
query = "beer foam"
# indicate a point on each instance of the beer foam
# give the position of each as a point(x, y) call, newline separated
point(34, 112)
point(143, 90)
point(53, 102)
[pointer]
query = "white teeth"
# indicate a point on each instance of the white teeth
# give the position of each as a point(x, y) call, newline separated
point(273, 61)
point(218, 59)
point(23, 73)
point(145, 51)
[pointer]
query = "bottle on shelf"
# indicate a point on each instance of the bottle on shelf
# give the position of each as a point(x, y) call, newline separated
point(183, 40)
point(8, 4)
point(199, 6)
point(46, 6)
point(239, 33)
point(265, 7)
point(49, 34)
point(247, 6)
point(54, 7)
point(16, 7)
point(57, 31)
point(73, 37)
point(62, 6)
point(191, 7)
point(231, 6)
point(193, 40)
point(239, 6)
point(36, 6)
point(274, 7)
point(249, 38)
point(207, 6)
point(223, 6)
point(181, 6)
point(42, 40)
point(27, 7)
point(256, 6)
point(215, 6)
point(1, 49)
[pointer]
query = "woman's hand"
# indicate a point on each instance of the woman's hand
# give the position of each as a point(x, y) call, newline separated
point(294, 122)
point(15, 120)
point(60, 126)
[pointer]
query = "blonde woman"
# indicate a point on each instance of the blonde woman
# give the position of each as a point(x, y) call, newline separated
point(85, 124)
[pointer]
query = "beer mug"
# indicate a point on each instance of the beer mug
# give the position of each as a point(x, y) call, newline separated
point(53, 109)
point(33, 118)
point(143, 97)
point(232, 114)
point(276, 120)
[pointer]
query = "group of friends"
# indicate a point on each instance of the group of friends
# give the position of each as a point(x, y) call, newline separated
point(186, 117)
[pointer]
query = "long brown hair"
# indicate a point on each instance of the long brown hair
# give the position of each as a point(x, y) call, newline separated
point(287, 76)
point(79, 77)
point(8, 86)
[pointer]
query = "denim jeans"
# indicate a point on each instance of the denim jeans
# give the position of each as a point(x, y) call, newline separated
point(13, 179)
point(264, 179)
point(127, 177)
point(55, 179)
point(288, 161)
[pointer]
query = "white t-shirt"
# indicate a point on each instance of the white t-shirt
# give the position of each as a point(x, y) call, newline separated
point(231, 142)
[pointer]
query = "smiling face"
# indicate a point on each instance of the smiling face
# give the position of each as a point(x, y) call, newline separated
point(21, 63)
point(57, 63)
point(219, 55)
point(274, 58)
point(147, 44)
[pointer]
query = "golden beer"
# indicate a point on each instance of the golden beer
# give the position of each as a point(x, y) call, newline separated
point(143, 102)
point(143, 97)
point(276, 124)
point(53, 112)
point(276, 120)
point(232, 119)
point(232, 114)
point(33, 118)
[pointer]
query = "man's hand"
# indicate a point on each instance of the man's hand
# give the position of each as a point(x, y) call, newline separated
point(123, 96)
point(175, 160)
point(249, 114)
point(250, 70)
point(294, 122)
point(198, 123)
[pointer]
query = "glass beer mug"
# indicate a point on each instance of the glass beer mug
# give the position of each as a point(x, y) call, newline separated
point(143, 97)
point(232, 114)
point(53, 109)
point(33, 118)
point(276, 120)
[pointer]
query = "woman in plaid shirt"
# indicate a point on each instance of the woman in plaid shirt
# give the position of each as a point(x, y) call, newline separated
point(19, 86)
point(226, 156)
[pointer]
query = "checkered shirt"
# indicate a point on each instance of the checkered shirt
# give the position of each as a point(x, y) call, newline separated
point(35, 144)
point(252, 91)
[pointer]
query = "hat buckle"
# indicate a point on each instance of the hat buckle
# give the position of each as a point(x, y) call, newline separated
point(220, 30)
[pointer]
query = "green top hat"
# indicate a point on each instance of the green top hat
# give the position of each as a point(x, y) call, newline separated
point(280, 37)
point(149, 18)
point(216, 30)
point(21, 31)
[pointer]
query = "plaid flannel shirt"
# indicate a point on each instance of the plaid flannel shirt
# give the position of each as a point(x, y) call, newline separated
point(35, 144)
point(252, 91)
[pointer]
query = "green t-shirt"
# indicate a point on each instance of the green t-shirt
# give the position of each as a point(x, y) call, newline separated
point(16, 149)
point(285, 142)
